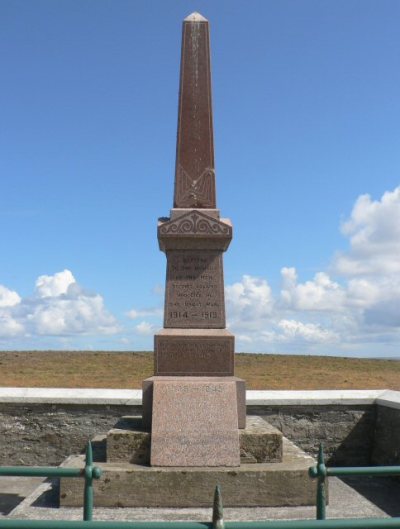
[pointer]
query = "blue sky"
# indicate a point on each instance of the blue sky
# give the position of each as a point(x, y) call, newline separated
point(307, 146)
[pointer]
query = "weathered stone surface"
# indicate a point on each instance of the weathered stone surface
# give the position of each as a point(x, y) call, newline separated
point(129, 442)
point(347, 432)
point(387, 437)
point(147, 406)
point(194, 423)
point(193, 229)
point(194, 294)
point(259, 442)
point(252, 485)
point(194, 174)
point(194, 352)
point(45, 434)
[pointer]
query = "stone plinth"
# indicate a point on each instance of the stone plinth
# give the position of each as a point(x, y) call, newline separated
point(200, 352)
point(148, 384)
point(128, 442)
point(250, 485)
point(194, 423)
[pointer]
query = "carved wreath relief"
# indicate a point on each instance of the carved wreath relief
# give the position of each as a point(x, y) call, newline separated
point(195, 192)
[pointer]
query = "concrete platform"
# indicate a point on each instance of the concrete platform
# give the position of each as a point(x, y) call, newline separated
point(345, 502)
point(13, 490)
point(250, 485)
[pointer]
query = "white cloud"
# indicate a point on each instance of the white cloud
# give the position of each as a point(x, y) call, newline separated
point(8, 298)
point(374, 232)
point(319, 294)
point(359, 307)
point(9, 327)
point(145, 328)
point(55, 285)
point(59, 307)
point(250, 298)
point(310, 332)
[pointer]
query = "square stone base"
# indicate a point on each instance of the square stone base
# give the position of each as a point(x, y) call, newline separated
point(147, 402)
point(250, 485)
point(194, 423)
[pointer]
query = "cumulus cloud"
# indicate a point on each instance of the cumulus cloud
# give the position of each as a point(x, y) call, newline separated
point(310, 332)
point(374, 233)
point(250, 298)
point(355, 303)
point(9, 327)
point(145, 328)
point(321, 293)
point(55, 285)
point(8, 298)
point(58, 307)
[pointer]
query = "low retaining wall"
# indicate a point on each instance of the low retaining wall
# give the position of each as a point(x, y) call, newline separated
point(387, 430)
point(40, 426)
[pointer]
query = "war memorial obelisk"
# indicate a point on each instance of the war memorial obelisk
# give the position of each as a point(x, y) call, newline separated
point(194, 405)
point(192, 434)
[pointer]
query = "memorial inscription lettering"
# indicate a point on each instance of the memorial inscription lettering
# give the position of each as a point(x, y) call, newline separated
point(194, 355)
point(195, 424)
point(194, 292)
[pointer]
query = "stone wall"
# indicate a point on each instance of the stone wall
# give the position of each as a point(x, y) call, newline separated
point(347, 432)
point(45, 433)
point(387, 437)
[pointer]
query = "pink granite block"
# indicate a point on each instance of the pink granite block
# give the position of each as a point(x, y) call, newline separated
point(195, 423)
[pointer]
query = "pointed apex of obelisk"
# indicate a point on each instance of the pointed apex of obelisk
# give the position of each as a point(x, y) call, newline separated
point(194, 171)
point(195, 17)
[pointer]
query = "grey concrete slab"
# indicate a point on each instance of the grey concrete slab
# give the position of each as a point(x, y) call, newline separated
point(345, 502)
point(13, 490)
point(133, 397)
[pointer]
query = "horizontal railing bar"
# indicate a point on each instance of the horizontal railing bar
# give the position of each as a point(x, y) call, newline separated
point(42, 472)
point(363, 471)
point(345, 523)
point(349, 523)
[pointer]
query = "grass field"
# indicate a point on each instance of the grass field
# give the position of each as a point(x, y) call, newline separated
point(127, 370)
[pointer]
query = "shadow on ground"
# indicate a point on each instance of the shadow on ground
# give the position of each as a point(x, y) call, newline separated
point(8, 502)
point(51, 497)
point(382, 492)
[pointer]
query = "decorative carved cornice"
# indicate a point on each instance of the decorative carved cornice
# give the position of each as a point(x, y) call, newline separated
point(191, 228)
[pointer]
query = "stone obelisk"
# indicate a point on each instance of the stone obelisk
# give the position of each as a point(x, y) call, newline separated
point(193, 404)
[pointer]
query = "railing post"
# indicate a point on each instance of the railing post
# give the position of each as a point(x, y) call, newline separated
point(218, 510)
point(321, 490)
point(90, 472)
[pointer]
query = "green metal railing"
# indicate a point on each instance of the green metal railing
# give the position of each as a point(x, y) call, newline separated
point(349, 523)
point(321, 472)
point(89, 472)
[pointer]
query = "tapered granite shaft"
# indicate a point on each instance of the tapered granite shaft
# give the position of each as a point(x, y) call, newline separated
point(194, 172)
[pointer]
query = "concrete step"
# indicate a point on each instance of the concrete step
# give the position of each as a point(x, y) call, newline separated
point(251, 485)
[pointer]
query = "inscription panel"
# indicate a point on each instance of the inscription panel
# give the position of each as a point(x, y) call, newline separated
point(194, 356)
point(194, 296)
point(194, 424)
